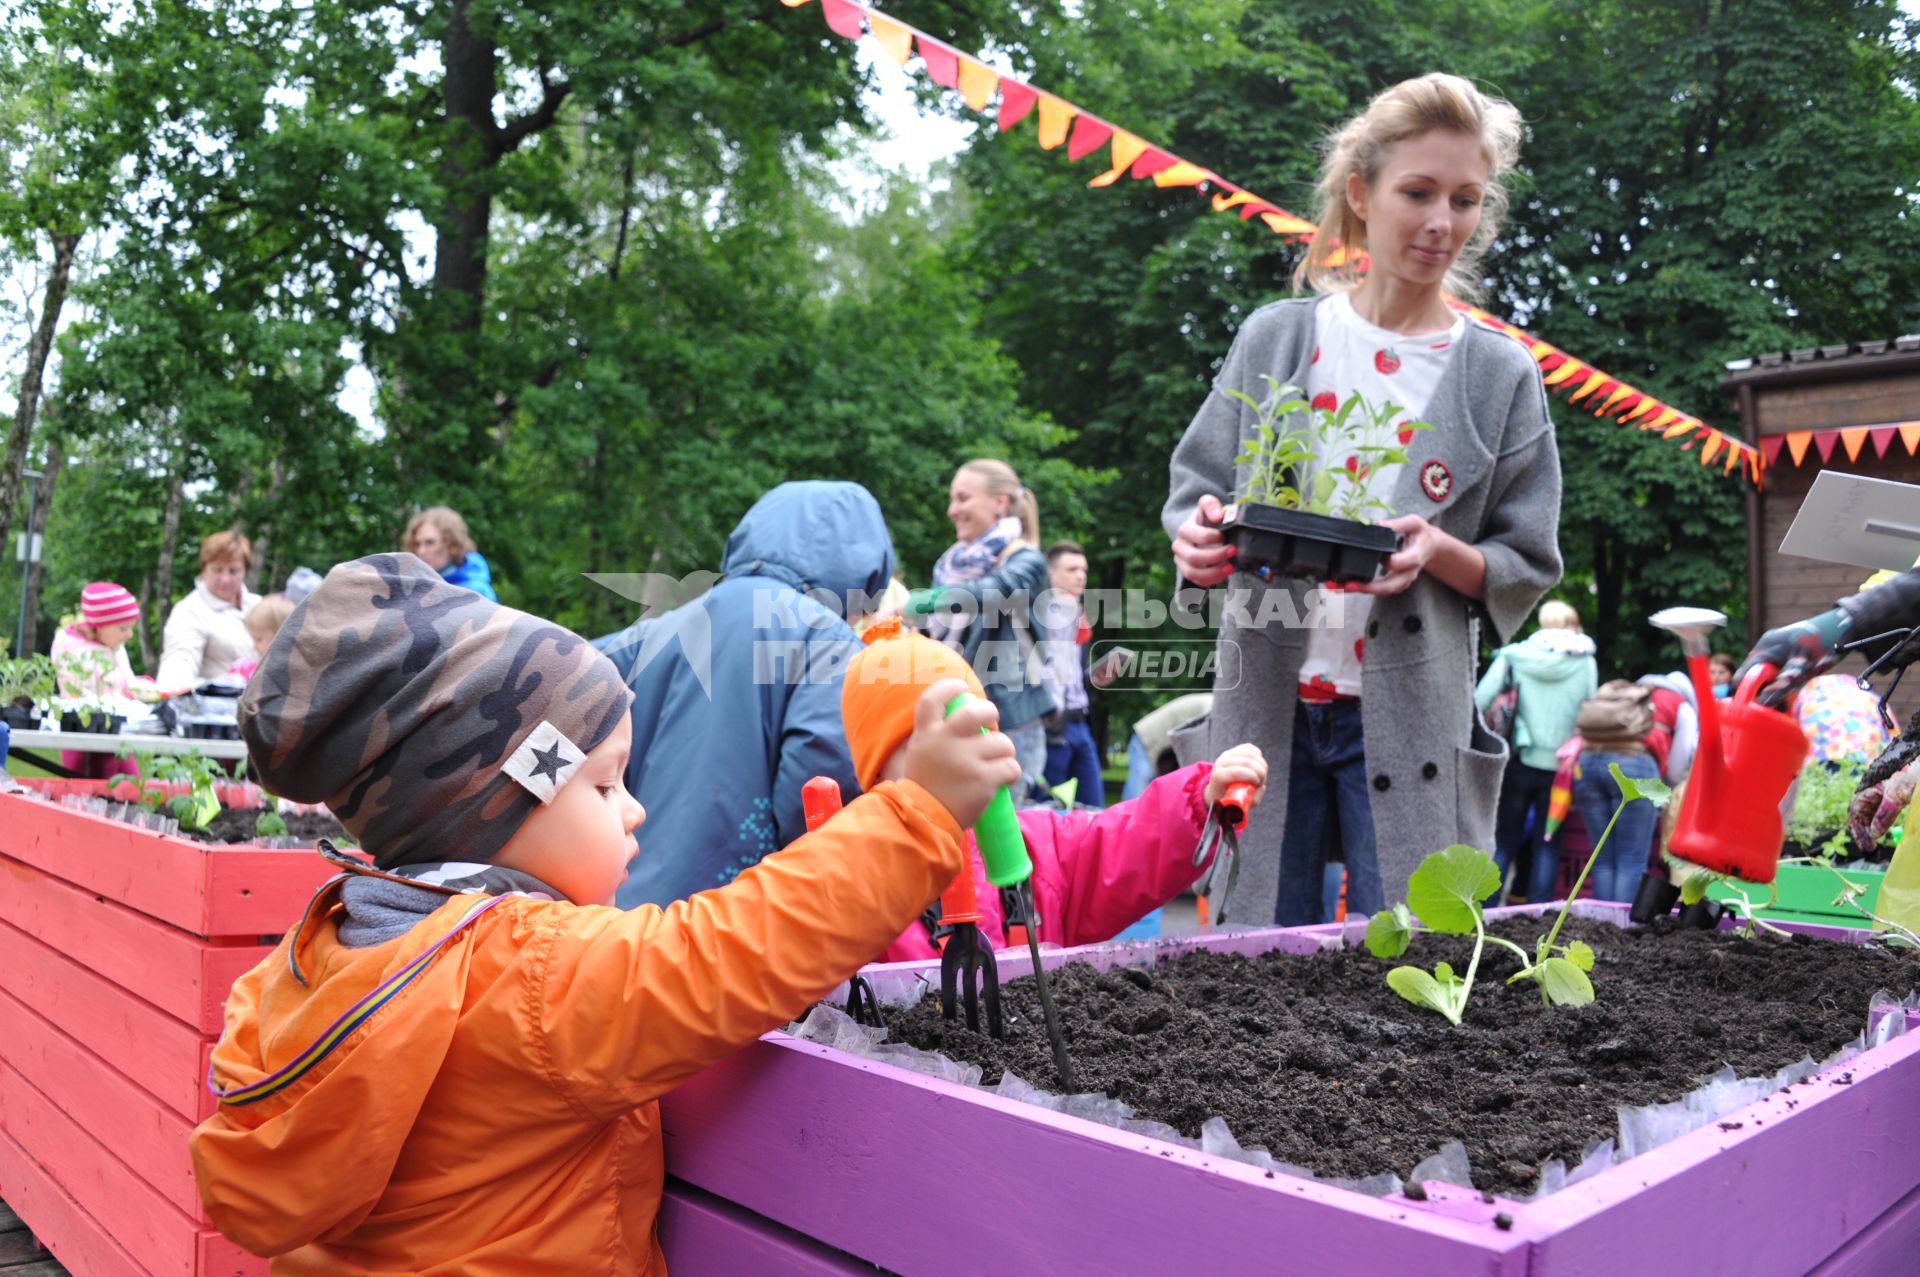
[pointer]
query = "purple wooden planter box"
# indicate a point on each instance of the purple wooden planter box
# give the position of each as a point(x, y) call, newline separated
point(796, 1158)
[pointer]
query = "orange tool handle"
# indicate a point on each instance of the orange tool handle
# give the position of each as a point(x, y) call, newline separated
point(819, 799)
point(958, 903)
point(1237, 802)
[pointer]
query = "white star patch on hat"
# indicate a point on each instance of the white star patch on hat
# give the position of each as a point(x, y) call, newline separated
point(545, 761)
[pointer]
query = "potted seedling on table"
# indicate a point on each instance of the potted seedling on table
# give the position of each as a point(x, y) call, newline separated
point(161, 774)
point(26, 688)
point(1305, 506)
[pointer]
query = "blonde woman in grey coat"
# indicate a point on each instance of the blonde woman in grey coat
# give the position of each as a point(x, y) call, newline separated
point(1370, 693)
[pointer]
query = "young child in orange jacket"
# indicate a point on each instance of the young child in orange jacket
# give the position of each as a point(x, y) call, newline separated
point(451, 1065)
point(1094, 873)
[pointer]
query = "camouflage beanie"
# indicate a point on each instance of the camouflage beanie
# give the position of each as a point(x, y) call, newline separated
point(431, 720)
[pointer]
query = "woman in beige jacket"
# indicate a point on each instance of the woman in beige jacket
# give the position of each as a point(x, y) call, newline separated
point(206, 631)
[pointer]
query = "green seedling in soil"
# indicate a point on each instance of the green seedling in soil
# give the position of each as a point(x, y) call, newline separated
point(1352, 442)
point(269, 824)
point(194, 809)
point(1694, 881)
point(1443, 896)
point(1849, 898)
point(1561, 971)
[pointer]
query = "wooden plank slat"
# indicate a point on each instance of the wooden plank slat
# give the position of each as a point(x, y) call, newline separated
point(161, 1054)
point(146, 1135)
point(249, 892)
point(179, 973)
point(74, 1237)
point(706, 1236)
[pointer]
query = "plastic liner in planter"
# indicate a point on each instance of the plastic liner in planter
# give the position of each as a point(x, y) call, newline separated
point(1272, 543)
point(1642, 1128)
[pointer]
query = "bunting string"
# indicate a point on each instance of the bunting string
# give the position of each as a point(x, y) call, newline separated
point(1063, 123)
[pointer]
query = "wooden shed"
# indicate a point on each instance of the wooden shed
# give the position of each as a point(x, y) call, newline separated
point(1854, 408)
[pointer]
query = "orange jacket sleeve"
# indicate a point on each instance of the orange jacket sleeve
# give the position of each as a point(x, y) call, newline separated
point(626, 1005)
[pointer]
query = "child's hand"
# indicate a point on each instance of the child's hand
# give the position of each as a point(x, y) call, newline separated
point(951, 759)
point(1241, 763)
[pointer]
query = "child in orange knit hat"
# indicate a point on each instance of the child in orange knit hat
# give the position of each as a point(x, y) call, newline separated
point(1094, 872)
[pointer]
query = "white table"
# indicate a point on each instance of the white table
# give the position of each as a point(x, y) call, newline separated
point(105, 743)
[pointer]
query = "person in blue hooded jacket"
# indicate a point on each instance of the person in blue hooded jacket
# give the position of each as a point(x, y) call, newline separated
point(736, 695)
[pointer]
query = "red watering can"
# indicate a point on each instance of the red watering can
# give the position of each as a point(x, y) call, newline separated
point(1749, 756)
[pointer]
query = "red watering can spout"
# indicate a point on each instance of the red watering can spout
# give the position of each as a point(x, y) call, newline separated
point(1747, 760)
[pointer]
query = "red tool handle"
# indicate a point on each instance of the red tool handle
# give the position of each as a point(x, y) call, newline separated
point(1237, 802)
point(819, 799)
point(958, 903)
point(1755, 682)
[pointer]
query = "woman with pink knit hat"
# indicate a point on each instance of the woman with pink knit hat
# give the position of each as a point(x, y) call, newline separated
point(108, 614)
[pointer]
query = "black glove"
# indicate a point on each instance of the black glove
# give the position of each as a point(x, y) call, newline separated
point(1800, 651)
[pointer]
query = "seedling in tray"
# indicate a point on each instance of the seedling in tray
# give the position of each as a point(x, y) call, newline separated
point(1306, 507)
point(194, 809)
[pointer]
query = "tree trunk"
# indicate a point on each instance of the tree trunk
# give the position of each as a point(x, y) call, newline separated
point(460, 253)
point(142, 629)
point(36, 568)
point(169, 536)
point(265, 541)
point(39, 350)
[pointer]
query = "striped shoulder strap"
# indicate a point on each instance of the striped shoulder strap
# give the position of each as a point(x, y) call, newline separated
point(351, 1019)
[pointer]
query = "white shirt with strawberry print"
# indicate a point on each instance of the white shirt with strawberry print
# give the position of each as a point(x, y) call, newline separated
point(1353, 357)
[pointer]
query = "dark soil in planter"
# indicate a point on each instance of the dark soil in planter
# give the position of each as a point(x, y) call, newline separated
point(236, 825)
point(1316, 1059)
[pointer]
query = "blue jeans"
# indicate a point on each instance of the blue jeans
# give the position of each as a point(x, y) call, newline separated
point(1327, 800)
point(1616, 874)
point(1140, 769)
point(1522, 822)
point(1076, 758)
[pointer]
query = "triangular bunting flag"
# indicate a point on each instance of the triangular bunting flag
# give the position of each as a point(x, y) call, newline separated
point(1824, 440)
point(943, 64)
point(1712, 446)
point(1882, 437)
point(1641, 407)
point(1151, 161)
point(1587, 387)
point(1055, 116)
point(1684, 425)
point(1659, 420)
point(1910, 435)
point(843, 16)
point(1126, 149)
point(1770, 446)
point(1619, 392)
point(977, 83)
point(1565, 372)
point(1256, 208)
point(1285, 224)
point(1852, 438)
point(892, 37)
point(795, 4)
point(1233, 197)
point(1016, 99)
point(1089, 135)
point(1797, 441)
point(1181, 173)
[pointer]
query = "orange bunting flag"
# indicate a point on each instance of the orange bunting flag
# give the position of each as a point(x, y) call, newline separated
point(977, 83)
point(1016, 99)
point(1287, 224)
point(795, 4)
point(1232, 197)
point(1126, 149)
point(1587, 387)
point(1797, 441)
point(1910, 435)
point(1089, 135)
point(894, 38)
point(1852, 437)
point(843, 16)
point(1055, 116)
point(943, 64)
point(1565, 372)
point(1711, 449)
point(1181, 173)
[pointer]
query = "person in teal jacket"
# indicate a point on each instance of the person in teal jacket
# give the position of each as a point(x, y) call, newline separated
point(1554, 670)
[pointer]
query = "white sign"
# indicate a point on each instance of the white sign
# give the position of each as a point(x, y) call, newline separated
point(20, 547)
point(1857, 519)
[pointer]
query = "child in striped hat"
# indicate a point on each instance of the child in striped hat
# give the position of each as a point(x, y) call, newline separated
point(107, 617)
point(108, 614)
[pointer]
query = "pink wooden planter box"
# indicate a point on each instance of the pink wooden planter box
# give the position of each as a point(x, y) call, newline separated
point(816, 1152)
point(117, 948)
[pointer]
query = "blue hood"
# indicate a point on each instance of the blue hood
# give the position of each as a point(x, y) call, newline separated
point(815, 535)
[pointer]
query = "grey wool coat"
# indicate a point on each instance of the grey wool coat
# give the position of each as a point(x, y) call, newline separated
point(1488, 472)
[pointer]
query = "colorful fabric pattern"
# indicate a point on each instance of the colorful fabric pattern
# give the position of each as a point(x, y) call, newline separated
point(1841, 719)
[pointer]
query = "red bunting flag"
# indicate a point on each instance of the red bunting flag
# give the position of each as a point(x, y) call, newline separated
point(1824, 440)
point(943, 64)
point(1882, 439)
point(1089, 135)
point(1770, 447)
point(843, 16)
point(1016, 99)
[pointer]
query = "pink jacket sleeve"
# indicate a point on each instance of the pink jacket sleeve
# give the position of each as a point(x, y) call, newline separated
point(1096, 873)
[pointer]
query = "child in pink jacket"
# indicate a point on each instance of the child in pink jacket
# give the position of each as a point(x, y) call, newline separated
point(1094, 872)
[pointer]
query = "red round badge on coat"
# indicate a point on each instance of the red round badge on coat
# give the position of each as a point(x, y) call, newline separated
point(1436, 481)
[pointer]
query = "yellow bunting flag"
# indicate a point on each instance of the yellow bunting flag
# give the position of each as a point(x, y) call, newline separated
point(1126, 149)
point(1055, 116)
point(892, 37)
point(1588, 386)
point(977, 82)
point(1181, 173)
